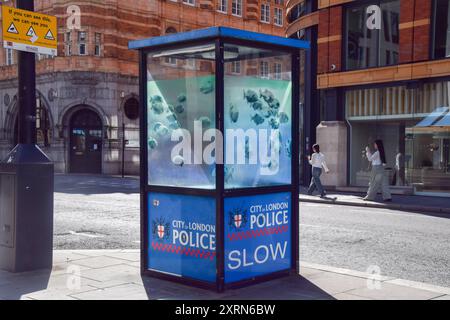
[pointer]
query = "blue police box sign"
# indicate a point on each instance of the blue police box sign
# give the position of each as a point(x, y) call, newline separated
point(182, 235)
point(257, 236)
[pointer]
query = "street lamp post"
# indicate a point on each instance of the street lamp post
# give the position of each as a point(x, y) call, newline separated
point(26, 183)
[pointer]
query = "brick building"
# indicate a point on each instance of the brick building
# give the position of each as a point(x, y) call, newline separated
point(379, 69)
point(87, 96)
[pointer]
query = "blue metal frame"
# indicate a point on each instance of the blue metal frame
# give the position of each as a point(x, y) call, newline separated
point(219, 36)
point(218, 32)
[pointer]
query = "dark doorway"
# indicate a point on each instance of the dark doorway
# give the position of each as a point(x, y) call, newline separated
point(86, 136)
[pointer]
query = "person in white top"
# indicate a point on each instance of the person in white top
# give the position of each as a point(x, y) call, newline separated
point(317, 161)
point(378, 180)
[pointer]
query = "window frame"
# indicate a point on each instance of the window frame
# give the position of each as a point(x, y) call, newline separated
point(280, 11)
point(344, 49)
point(239, 4)
point(82, 42)
point(222, 6)
point(266, 13)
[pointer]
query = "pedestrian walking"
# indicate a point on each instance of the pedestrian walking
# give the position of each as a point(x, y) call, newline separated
point(317, 161)
point(378, 180)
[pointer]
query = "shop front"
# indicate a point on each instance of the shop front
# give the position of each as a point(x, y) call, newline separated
point(413, 120)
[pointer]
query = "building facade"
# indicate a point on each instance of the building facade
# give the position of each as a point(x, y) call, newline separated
point(87, 96)
point(382, 72)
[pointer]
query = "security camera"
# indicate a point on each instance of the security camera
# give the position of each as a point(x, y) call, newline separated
point(333, 67)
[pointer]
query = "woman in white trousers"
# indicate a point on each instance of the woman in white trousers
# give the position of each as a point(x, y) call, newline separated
point(378, 180)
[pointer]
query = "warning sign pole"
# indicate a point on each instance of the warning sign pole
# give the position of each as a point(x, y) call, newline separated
point(33, 174)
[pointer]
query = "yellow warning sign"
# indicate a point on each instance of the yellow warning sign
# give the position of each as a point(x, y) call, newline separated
point(29, 31)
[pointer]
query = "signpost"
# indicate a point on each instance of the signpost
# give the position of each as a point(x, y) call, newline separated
point(26, 175)
point(29, 31)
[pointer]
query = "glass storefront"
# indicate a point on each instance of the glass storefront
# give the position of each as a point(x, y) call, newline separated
point(414, 123)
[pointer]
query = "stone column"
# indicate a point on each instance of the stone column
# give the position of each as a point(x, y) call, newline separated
point(332, 138)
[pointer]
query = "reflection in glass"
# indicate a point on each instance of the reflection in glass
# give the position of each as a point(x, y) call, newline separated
point(415, 126)
point(372, 47)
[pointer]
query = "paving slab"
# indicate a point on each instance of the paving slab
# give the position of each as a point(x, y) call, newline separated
point(108, 275)
point(128, 291)
point(99, 262)
point(394, 292)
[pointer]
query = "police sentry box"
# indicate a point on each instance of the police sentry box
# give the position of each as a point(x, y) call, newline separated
point(219, 156)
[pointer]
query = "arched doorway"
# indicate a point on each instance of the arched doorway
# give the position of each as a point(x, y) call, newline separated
point(86, 136)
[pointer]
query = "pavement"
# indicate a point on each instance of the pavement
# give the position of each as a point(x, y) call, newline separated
point(115, 275)
point(411, 203)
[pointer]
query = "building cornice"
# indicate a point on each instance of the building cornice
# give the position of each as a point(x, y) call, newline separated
point(404, 72)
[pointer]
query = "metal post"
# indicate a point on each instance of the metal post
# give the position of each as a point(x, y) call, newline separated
point(26, 183)
point(123, 149)
point(27, 89)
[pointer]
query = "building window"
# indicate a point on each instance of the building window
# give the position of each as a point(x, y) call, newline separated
point(82, 39)
point(236, 67)
point(441, 29)
point(222, 6)
point(265, 13)
point(9, 57)
point(372, 47)
point(98, 44)
point(68, 43)
point(170, 60)
point(296, 12)
point(278, 16)
point(264, 69)
point(279, 2)
point(236, 8)
point(189, 2)
point(277, 70)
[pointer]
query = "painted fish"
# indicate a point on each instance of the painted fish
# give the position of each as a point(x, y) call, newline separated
point(274, 104)
point(160, 129)
point(257, 119)
point(267, 95)
point(284, 118)
point(179, 109)
point(157, 107)
point(251, 96)
point(234, 113)
point(206, 122)
point(274, 123)
point(152, 143)
point(207, 87)
point(182, 98)
point(257, 105)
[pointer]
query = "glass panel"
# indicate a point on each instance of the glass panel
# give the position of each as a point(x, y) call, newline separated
point(390, 34)
point(415, 127)
point(362, 43)
point(429, 138)
point(179, 100)
point(258, 119)
point(377, 45)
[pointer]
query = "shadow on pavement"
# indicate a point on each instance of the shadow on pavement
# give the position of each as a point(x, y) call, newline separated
point(288, 288)
point(14, 286)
